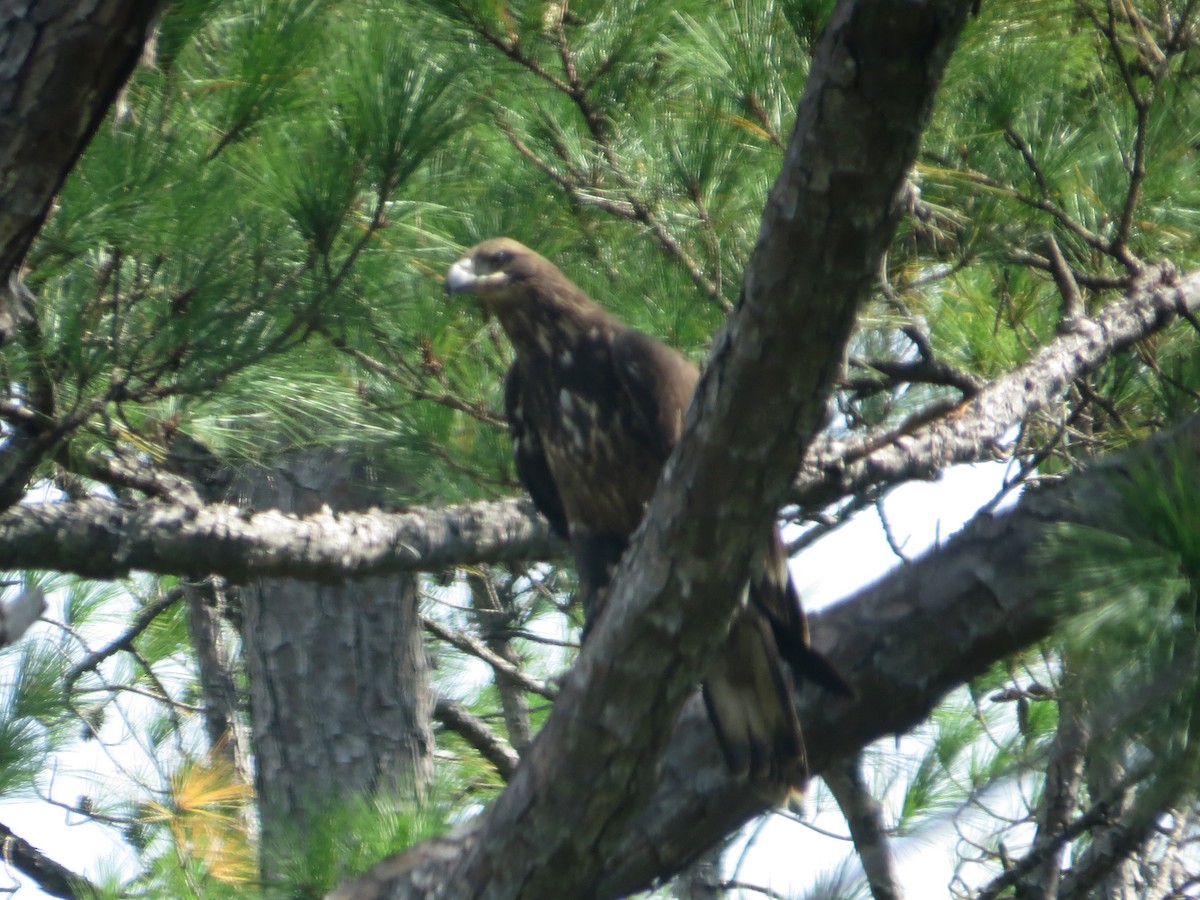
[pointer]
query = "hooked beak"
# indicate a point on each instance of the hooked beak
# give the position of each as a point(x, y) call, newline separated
point(461, 276)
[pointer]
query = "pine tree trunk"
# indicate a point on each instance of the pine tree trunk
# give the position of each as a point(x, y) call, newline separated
point(340, 699)
point(217, 660)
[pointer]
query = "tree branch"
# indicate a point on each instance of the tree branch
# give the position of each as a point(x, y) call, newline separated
point(865, 818)
point(835, 468)
point(101, 538)
point(477, 648)
point(124, 641)
point(66, 62)
point(53, 878)
point(475, 732)
point(903, 643)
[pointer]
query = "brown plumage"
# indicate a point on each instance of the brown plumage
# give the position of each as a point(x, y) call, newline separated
point(594, 408)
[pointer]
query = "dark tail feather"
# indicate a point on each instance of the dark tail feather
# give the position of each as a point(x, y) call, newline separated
point(774, 594)
point(806, 663)
point(750, 706)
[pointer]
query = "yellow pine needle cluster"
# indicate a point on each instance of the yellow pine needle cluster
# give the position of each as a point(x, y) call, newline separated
point(206, 814)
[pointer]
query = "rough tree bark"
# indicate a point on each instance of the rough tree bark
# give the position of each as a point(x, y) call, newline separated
point(340, 698)
point(61, 67)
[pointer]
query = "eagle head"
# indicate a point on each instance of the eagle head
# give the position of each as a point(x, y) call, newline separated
point(537, 305)
point(492, 270)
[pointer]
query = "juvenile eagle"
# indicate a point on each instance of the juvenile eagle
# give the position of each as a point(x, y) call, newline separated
point(594, 408)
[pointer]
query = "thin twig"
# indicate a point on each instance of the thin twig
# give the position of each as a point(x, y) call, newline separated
point(475, 732)
point(125, 640)
point(475, 647)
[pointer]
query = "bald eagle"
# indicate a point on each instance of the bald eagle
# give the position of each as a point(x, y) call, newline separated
point(594, 408)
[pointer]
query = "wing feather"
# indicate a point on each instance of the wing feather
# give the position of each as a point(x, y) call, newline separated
point(658, 383)
point(750, 706)
point(530, 457)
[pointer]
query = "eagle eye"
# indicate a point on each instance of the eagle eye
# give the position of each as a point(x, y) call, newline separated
point(500, 258)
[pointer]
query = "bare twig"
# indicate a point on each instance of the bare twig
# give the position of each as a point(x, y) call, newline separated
point(475, 732)
point(475, 647)
point(124, 641)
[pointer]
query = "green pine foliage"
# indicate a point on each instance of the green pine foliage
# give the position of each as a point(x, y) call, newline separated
point(346, 841)
point(30, 708)
point(257, 239)
point(1135, 583)
point(251, 250)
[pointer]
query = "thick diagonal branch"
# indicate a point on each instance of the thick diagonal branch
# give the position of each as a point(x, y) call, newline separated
point(64, 64)
point(52, 877)
point(903, 643)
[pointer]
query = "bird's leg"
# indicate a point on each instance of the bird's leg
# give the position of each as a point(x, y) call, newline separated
point(596, 557)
